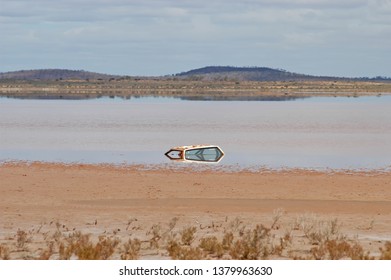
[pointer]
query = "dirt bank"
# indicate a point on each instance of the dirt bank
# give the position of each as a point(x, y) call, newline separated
point(127, 201)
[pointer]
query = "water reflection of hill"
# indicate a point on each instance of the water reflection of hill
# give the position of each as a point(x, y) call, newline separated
point(243, 98)
point(184, 98)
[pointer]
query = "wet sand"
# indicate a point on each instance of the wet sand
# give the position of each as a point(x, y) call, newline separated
point(97, 199)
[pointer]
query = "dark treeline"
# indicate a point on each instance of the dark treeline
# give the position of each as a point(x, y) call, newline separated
point(206, 73)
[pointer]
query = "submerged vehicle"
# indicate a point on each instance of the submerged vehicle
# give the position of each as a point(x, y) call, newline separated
point(199, 153)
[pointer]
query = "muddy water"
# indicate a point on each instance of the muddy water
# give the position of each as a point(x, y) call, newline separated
point(320, 133)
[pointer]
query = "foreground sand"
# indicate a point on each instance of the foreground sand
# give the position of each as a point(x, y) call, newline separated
point(39, 199)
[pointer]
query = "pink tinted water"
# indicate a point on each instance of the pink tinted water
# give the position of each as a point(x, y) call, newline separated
point(349, 133)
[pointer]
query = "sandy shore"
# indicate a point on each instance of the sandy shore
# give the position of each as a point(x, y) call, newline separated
point(128, 202)
point(202, 89)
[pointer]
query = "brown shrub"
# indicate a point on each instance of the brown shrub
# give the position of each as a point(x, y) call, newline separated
point(131, 250)
point(4, 252)
point(339, 249)
point(48, 252)
point(179, 252)
point(80, 245)
point(386, 251)
point(254, 244)
point(227, 240)
point(187, 235)
point(212, 246)
point(22, 239)
point(156, 232)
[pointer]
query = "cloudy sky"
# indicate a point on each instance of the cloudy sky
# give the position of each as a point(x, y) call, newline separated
point(350, 38)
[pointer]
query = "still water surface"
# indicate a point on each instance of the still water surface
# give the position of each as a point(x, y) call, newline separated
point(319, 133)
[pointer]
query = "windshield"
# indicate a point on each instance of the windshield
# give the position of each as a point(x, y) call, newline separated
point(204, 154)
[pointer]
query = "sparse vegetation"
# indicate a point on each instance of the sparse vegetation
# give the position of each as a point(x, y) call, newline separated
point(307, 237)
point(190, 88)
point(22, 239)
point(318, 231)
point(156, 236)
point(213, 247)
point(79, 245)
point(178, 252)
point(277, 214)
point(54, 74)
point(131, 250)
point(4, 252)
point(339, 249)
point(187, 235)
point(386, 251)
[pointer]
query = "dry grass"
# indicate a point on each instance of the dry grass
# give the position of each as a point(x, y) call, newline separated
point(303, 237)
point(187, 235)
point(22, 239)
point(386, 251)
point(339, 249)
point(179, 252)
point(211, 246)
point(156, 232)
point(80, 245)
point(131, 250)
point(317, 230)
point(4, 252)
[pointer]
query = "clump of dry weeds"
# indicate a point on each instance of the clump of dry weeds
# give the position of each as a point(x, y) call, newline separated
point(327, 242)
point(187, 235)
point(178, 251)
point(182, 249)
point(131, 250)
point(22, 238)
point(317, 230)
point(80, 245)
point(339, 249)
point(239, 243)
point(386, 251)
point(308, 238)
point(254, 244)
point(4, 252)
point(212, 246)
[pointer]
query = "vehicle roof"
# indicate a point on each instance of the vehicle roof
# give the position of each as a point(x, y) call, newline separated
point(183, 148)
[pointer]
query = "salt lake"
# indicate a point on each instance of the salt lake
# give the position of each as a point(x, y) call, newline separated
point(315, 133)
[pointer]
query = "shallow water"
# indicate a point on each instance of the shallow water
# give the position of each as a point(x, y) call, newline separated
point(319, 133)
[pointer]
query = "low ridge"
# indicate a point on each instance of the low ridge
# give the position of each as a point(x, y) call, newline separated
point(53, 74)
point(205, 73)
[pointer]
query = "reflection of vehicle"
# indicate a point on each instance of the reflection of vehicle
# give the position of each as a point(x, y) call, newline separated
point(201, 153)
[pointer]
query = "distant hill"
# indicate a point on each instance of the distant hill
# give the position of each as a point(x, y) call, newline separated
point(243, 74)
point(54, 74)
point(209, 73)
point(258, 74)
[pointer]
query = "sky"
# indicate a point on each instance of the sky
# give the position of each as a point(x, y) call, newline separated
point(346, 38)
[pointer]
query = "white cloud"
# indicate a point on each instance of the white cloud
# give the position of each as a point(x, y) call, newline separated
point(184, 34)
